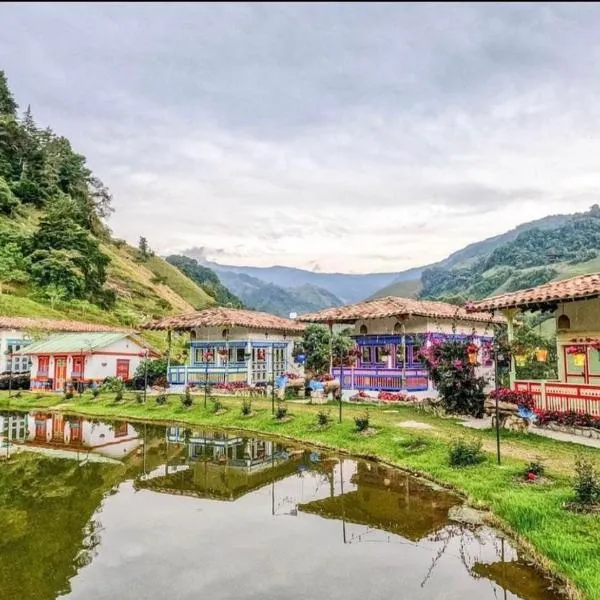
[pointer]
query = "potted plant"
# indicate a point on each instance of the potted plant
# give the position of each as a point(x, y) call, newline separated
point(541, 354)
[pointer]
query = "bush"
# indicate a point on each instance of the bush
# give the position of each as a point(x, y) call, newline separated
point(157, 373)
point(113, 384)
point(161, 399)
point(119, 396)
point(524, 399)
point(362, 422)
point(281, 411)
point(587, 482)
point(19, 382)
point(535, 467)
point(323, 418)
point(246, 407)
point(69, 395)
point(217, 405)
point(95, 392)
point(569, 418)
point(186, 399)
point(453, 374)
point(139, 397)
point(463, 453)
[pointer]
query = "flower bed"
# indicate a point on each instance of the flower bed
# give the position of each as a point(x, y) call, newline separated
point(570, 418)
point(385, 397)
point(524, 399)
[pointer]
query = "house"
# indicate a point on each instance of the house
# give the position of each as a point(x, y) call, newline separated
point(88, 358)
point(389, 333)
point(575, 305)
point(17, 332)
point(235, 346)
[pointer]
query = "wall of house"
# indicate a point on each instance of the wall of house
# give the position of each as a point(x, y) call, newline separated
point(12, 337)
point(100, 364)
point(584, 325)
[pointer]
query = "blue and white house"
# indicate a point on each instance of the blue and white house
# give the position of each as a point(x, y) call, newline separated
point(389, 332)
point(233, 346)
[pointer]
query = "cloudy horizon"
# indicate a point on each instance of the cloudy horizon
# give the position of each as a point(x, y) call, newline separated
point(338, 137)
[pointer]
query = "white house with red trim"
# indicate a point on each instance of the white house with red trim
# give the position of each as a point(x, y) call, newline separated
point(575, 304)
point(18, 332)
point(87, 358)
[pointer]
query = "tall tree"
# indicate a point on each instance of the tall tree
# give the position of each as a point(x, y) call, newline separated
point(8, 106)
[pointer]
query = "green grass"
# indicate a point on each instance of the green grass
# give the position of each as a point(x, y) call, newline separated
point(566, 541)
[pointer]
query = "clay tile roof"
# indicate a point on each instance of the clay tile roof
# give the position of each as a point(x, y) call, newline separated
point(576, 288)
point(392, 306)
point(24, 323)
point(228, 317)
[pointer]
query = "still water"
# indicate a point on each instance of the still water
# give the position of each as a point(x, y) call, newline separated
point(117, 510)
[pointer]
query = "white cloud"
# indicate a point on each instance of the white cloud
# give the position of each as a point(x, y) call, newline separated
point(343, 137)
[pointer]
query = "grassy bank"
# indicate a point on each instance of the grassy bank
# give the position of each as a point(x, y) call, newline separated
point(566, 540)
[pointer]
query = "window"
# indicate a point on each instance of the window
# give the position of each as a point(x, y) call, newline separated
point(363, 330)
point(202, 354)
point(380, 354)
point(563, 322)
point(365, 354)
point(43, 365)
point(240, 354)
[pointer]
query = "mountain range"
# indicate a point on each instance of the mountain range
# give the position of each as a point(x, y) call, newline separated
point(555, 246)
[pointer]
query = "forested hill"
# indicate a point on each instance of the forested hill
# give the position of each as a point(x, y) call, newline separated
point(535, 256)
point(57, 256)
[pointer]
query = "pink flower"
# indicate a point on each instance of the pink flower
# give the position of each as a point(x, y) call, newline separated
point(458, 364)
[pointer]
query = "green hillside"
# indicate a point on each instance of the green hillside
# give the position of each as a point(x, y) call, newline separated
point(57, 256)
point(534, 257)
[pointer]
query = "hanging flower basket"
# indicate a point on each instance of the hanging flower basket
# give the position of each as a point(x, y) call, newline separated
point(579, 360)
point(541, 354)
point(385, 353)
point(521, 360)
point(223, 353)
point(472, 353)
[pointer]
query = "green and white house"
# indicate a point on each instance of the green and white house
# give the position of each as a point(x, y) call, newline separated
point(88, 358)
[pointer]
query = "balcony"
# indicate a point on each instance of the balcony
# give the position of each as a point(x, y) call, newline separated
point(184, 374)
point(382, 379)
point(563, 397)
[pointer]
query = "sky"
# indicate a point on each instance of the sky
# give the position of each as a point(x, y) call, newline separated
point(334, 137)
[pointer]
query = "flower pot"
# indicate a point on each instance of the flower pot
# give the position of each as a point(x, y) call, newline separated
point(473, 358)
point(521, 360)
point(579, 360)
point(541, 354)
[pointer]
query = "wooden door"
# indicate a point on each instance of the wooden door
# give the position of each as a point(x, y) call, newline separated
point(60, 372)
point(78, 367)
point(122, 369)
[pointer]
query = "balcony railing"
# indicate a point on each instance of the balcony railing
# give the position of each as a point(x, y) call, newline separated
point(563, 397)
point(388, 380)
point(185, 374)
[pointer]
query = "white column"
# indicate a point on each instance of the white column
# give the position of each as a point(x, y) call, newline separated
point(510, 314)
point(249, 364)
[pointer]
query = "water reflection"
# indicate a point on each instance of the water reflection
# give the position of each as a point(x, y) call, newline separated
point(108, 492)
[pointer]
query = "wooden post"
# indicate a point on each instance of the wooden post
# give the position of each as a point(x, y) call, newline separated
point(330, 348)
point(510, 314)
point(169, 341)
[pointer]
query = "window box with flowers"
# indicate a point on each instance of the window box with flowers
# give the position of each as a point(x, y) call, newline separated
point(578, 352)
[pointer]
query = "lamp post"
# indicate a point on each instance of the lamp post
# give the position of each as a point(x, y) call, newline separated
point(146, 374)
point(272, 379)
point(207, 357)
point(10, 371)
point(496, 357)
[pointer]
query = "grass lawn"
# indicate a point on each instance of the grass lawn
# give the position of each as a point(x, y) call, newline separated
point(566, 543)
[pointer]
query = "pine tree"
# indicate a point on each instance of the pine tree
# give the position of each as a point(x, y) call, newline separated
point(8, 106)
point(143, 247)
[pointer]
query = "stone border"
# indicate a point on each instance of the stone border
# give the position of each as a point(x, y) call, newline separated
point(586, 432)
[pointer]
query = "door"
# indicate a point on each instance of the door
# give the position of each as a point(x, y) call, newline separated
point(122, 369)
point(60, 372)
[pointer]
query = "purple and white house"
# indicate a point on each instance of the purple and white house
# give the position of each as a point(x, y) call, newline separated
point(389, 332)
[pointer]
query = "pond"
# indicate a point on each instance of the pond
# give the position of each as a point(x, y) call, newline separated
point(113, 510)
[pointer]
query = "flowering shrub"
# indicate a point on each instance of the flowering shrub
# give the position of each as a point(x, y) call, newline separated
point(577, 349)
point(460, 389)
point(231, 386)
point(326, 377)
point(570, 418)
point(391, 397)
point(524, 399)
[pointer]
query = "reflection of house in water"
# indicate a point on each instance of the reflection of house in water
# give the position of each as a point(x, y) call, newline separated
point(55, 431)
point(390, 500)
point(224, 467)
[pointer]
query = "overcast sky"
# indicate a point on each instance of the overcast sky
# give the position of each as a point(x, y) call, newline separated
point(353, 137)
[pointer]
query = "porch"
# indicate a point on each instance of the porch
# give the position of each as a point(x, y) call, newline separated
point(199, 375)
point(562, 397)
point(382, 379)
